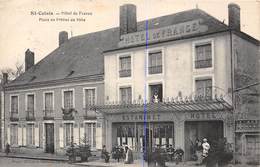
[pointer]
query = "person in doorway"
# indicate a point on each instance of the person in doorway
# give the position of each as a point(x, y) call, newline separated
point(198, 151)
point(129, 155)
point(205, 149)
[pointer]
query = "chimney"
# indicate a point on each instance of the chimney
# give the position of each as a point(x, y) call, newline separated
point(128, 19)
point(5, 78)
point(29, 59)
point(234, 16)
point(63, 37)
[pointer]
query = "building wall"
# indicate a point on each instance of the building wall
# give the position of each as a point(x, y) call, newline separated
point(178, 71)
point(58, 116)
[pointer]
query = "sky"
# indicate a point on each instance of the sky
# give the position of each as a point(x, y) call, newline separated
point(21, 29)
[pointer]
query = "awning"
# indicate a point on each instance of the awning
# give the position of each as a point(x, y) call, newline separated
point(171, 105)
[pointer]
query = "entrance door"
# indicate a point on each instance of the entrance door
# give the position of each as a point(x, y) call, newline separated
point(49, 131)
point(212, 130)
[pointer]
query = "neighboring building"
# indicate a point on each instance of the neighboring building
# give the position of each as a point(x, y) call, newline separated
point(46, 107)
point(165, 81)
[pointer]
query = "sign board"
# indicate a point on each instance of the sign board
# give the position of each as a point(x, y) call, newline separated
point(164, 33)
point(140, 117)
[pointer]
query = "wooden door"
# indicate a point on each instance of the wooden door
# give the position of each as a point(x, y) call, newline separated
point(49, 138)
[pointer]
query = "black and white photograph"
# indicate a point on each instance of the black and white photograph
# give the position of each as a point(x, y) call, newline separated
point(130, 83)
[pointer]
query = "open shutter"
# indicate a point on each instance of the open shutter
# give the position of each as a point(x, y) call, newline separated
point(24, 135)
point(81, 133)
point(76, 134)
point(8, 135)
point(20, 136)
point(99, 137)
point(36, 135)
point(61, 136)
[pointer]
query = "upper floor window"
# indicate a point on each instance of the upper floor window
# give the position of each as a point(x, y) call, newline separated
point(30, 102)
point(68, 99)
point(126, 95)
point(156, 92)
point(203, 56)
point(204, 88)
point(155, 62)
point(14, 104)
point(48, 99)
point(125, 66)
point(90, 96)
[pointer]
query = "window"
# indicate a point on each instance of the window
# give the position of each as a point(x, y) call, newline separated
point(14, 134)
point(68, 99)
point(30, 134)
point(90, 97)
point(155, 62)
point(204, 88)
point(253, 145)
point(90, 131)
point(14, 106)
point(126, 95)
point(68, 133)
point(125, 66)
point(156, 92)
point(203, 58)
point(30, 106)
point(48, 101)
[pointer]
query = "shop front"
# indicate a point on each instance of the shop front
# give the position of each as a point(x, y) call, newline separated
point(145, 126)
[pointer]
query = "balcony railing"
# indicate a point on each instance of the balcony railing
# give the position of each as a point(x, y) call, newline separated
point(89, 114)
point(48, 115)
point(125, 73)
point(68, 113)
point(14, 116)
point(203, 63)
point(155, 69)
point(30, 115)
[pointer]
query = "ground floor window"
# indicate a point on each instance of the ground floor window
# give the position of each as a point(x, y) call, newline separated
point(68, 133)
point(14, 134)
point(253, 145)
point(30, 135)
point(139, 135)
point(90, 131)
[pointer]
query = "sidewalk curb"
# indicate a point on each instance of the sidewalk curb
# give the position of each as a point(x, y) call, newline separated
point(35, 158)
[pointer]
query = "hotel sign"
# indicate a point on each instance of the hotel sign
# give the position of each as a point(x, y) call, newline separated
point(205, 116)
point(164, 33)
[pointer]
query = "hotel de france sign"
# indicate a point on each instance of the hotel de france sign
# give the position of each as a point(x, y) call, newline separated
point(164, 33)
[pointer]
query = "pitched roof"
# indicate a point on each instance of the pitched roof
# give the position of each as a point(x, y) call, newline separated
point(82, 55)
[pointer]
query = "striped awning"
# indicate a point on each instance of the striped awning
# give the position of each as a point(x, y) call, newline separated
point(172, 105)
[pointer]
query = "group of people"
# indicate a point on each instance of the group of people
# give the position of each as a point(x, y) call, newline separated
point(201, 150)
point(119, 152)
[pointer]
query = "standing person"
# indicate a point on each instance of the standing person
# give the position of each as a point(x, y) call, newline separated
point(205, 149)
point(104, 154)
point(198, 151)
point(129, 156)
point(7, 148)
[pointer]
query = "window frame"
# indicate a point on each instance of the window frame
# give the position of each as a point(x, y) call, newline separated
point(152, 50)
point(84, 95)
point(203, 77)
point(65, 133)
point(154, 82)
point(127, 54)
point(73, 96)
point(125, 86)
point(10, 107)
point(44, 95)
point(32, 136)
point(14, 124)
point(199, 43)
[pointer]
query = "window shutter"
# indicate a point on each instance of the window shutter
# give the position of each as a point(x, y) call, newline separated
point(8, 135)
point(36, 136)
point(99, 137)
point(76, 134)
point(24, 136)
point(20, 136)
point(61, 136)
point(81, 134)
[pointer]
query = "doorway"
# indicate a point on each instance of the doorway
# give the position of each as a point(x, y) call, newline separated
point(211, 130)
point(49, 131)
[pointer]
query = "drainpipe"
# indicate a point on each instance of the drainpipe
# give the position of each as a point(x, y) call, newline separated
point(232, 92)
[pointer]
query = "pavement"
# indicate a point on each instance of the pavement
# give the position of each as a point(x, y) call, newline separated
point(95, 162)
